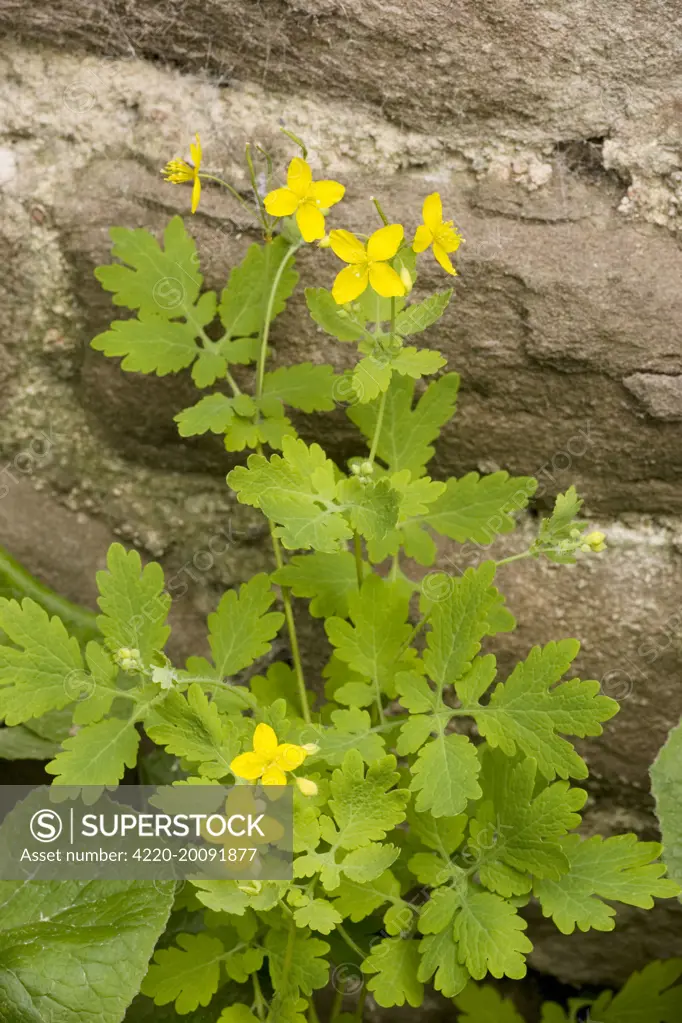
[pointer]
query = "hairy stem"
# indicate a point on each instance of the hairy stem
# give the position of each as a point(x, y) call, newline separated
point(343, 933)
point(377, 428)
point(291, 629)
point(259, 1001)
point(231, 189)
point(514, 557)
point(357, 547)
point(265, 333)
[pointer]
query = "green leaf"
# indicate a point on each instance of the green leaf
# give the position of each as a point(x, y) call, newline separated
point(516, 834)
point(647, 996)
point(444, 776)
point(190, 727)
point(318, 915)
point(373, 307)
point(365, 806)
point(134, 603)
point(351, 730)
point(620, 869)
point(396, 964)
point(241, 351)
point(241, 629)
point(187, 974)
point(244, 299)
point(305, 970)
point(330, 316)
point(375, 645)
point(34, 679)
point(407, 433)
point(20, 743)
point(479, 508)
point(75, 950)
point(162, 281)
point(372, 508)
point(209, 367)
point(485, 1005)
point(328, 579)
point(666, 784)
point(420, 315)
point(370, 862)
point(297, 491)
point(439, 960)
point(458, 624)
point(97, 754)
point(371, 378)
point(149, 345)
point(303, 386)
point(357, 900)
point(417, 362)
point(526, 713)
point(238, 1013)
point(490, 938)
point(213, 413)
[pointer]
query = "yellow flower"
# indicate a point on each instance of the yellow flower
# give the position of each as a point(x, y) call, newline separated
point(368, 263)
point(269, 759)
point(177, 171)
point(434, 231)
point(304, 197)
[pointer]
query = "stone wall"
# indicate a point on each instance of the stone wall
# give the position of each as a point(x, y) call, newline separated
point(552, 128)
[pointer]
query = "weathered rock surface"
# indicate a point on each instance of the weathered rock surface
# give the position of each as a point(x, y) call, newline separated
point(551, 129)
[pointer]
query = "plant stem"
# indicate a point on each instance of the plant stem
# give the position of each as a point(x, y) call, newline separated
point(514, 557)
point(337, 1005)
point(256, 193)
point(262, 355)
point(377, 428)
point(312, 1013)
point(291, 628)
point(286, 595)
point(359, 563)
point(384, 396)
point(360, 1011)
point(343, 933)
point(231, 189)
point(259, 1001)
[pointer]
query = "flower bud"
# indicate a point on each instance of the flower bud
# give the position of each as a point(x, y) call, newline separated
point(307, 786)
point(595, 541)
point(367, 469)
point(129, 659)
point(406, 278)
point(324, 243)
point(310, 748)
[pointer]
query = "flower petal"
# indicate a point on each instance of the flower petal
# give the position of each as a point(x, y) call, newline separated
point(248, 765)
point(385, 281)
point(310, 222)
point(274, 776)
point(443, 258)
point(350, 284)
point(328, 193)
point(385, 242)
point(281, 203)
point(196, 193)
point(289, 756)
point(347, 247)
point(195, 152)
point(422, 238)
point(432, 211)
point(265, 741)
point(299, 177)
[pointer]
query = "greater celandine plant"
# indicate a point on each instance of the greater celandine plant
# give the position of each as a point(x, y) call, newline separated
point(433, 800)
